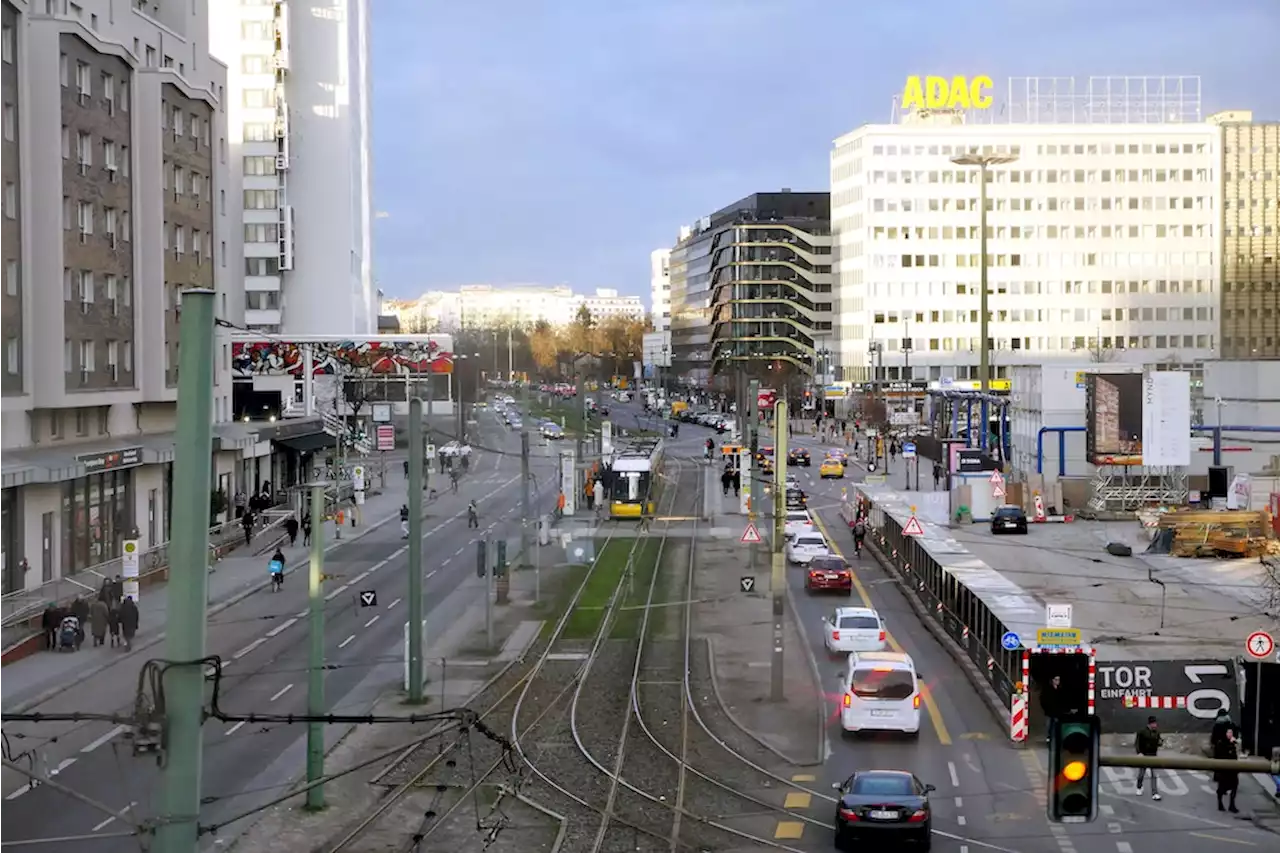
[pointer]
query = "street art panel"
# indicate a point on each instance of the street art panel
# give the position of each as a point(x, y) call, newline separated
point(388, 357)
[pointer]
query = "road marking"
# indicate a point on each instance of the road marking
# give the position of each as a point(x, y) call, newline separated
point(116, 732)
point(234, 728)
point(789, 829)
point(463, 548)
point(393, 604)
point(282, 627)
point(19, 792)
point(249, 648)
point(62, 765)
point(346, 642)
point(337, 592)
point(281, 692)
point(930, 704)
point(430, 574)
point(300, 614)
point(1205, 835)
point(803, 777)
point(797, 800)
point(1126, 847)
point(104, 824)
point(960, 819)
point(358, 578)
point(955, 777)
point(374, 619)
point(959, 802)
point(446, 561)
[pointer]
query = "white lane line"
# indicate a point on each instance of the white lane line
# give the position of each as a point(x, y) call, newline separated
point(249, 648)
point(1124, 847)
point(430, 574)
point(959, 802)
point(393, 604)
point(446, 561)
point(463, 548)
point(358, 578)
point(374, 619)
point(955, 777)
point(281, 692)
point(62, 765)
point(19, 792)
point(104, 824)
point(346, 642)
point(234, 728)
point(337, 592)
point(300, 614)
point(1107, 810)
point(283, 626)
point(116, 732)
point(960, 819)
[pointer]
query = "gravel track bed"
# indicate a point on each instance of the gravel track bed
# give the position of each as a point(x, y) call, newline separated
point(624, 839)
point(605, 699)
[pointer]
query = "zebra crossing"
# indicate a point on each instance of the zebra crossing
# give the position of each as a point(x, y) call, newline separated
point(1173, 783)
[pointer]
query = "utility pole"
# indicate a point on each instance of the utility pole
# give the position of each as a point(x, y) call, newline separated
point(779, 577)
point(315, 661)
point(426, 467)
point(490, 569)
point(416, 465)
point(177, 832)
point(526, 500)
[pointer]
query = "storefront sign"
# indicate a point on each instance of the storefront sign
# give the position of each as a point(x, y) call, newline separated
point(937, 93)
point(95, 462)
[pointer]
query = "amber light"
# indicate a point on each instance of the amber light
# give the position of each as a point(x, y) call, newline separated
point(1074, 771)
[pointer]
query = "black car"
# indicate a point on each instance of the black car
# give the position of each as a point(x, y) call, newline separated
point(883, 806)
point(796, 499)
point(1009, 519)
point(799, 456)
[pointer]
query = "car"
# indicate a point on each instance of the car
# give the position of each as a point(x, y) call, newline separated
point(480, 404)
point(853, 629)
point(515, 423)
point(839, 455)
point(829, 574)
point(796, 499)
point(551, 432)
point(793, 482)
point(798, 521)
point(883, 807)
point(881, 694)
point(806, 546)
point(799, 456)
point(832, 469)
point(1009, 519)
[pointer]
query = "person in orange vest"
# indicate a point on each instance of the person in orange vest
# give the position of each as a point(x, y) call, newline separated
point(560, 504)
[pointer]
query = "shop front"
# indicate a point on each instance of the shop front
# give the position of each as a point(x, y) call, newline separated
point(98, 509)
point(11, 541)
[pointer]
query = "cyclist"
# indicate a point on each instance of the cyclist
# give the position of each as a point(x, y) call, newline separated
point(276, 567)
point(473, 515)
point(706, 453)
point(404, 521)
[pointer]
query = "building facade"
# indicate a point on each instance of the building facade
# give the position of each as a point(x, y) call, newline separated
point(1104, 244)
point(751, 290)
point(660, 289)
point(114, 174)
point(485, 306)
point(298, 119)
point(1250, 169)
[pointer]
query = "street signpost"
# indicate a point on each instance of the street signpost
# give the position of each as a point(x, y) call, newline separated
point(1010, 641)
point(386, 437)
point(751, 535)
point(130, 550)
point(1058, 638)
point(1260, 645)
point(1057, 615)
point(913, 526)
point(997, 484)
point(908, 450)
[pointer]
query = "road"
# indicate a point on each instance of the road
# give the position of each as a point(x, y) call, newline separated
point(264, 641)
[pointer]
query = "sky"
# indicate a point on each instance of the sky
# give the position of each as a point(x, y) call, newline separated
point(561, 141)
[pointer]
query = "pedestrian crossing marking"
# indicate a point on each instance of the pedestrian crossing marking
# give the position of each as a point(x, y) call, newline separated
point(797, 800)
point(803, 777)
point(790, 830)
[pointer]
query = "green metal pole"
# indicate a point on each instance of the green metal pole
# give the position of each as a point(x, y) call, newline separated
point(779, 577)
point(188, 598)
point(416, 455)
point(315, 663)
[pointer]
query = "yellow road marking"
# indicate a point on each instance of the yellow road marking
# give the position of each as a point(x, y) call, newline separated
point(931, 706)
point(1220, 838)
point(803, 777)
point(797, 800)
point(789, 829)
point(975, 736)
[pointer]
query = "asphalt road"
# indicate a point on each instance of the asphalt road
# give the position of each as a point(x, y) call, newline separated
point(264, 640)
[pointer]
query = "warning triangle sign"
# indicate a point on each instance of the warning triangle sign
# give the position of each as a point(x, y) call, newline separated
point(913, 527)
point(998, 491)
point(751, 534)
point(997, 479)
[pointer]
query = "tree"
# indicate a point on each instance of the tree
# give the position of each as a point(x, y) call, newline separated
point(360, 385)
point(544, 346)
point(582, 331)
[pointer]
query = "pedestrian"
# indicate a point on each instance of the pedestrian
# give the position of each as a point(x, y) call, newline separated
point(590, 495)
point(113, 624)
point(1228, 780)
point(49, 621)
point(1147, 742)
point(104, 591)
point(306, 530)
point(1051, 702)
point(473, 516)
point(737, 484)
point(291, 528)
point(247, 523)
point(1221, 725)
point(240, 501)
point(406, 469)
point(80, 610)
point(937, 474)
point(117, 591)
point(128, 621)
point(404, 521)
point(100, 619)
point(726, 480)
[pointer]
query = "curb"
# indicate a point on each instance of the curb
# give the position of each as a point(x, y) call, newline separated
point(816, 674)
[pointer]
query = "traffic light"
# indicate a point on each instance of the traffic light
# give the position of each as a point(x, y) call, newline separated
point(500, 567)
point(481, 558)
point(1074, 746)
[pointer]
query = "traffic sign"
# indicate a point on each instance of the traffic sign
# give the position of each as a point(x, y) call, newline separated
point(368, 598)
point(1010, 641)
point(747, 583)
point(997, 479)
point(386, 437)
point(750, 536)
point(1057, 615)
point(913, 527)
point(1057, 638)
point(1260, 644)
point(908, 450)
point(997, 492)
point(431, 450)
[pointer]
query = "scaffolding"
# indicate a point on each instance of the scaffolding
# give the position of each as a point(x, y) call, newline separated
point(1127, 488)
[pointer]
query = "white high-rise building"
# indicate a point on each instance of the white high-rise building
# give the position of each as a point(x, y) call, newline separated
point(298, 117)
point(660, 288)
point(486, 306)
point(1103, 239)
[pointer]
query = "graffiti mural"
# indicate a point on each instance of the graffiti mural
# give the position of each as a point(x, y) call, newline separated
point(386, 357)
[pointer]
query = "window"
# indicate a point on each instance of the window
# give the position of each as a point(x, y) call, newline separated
point(109, 93)
point(113, 355)
point(109, 161)
point(67, 362)
point(110, 220)
point(125, 226)
point(259, 165)
point(66, 284)
point(84, 286)
point(64, 70)
point(87, 353)
point(12, 356)
point(12, 278)
point(196, 181)
point(261, 233)
point(194, 127)
point(259, 131)
point(124, 160)
point(179, 241)
point(197, 244)
point(259, 199)
point(250, 64)
point(113, 293)
point(84, 218)
point(124, 96)
point(8, 45)
point(127, 356)
point(179, 121)
point(10, 200)
point(66, 142)
point(84, 151)
point(262, 300)
point(126, 292)
point(10, 122)
point(84, 81)
point(259, 98)
point(179, 180)
point(261, 266)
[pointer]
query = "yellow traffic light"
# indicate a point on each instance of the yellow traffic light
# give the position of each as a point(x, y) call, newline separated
point(1074, 771)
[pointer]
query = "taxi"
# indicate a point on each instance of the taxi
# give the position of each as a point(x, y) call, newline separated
point(832, 469)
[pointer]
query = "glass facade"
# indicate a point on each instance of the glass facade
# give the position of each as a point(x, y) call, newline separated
point(97, 514)
point(9, 542)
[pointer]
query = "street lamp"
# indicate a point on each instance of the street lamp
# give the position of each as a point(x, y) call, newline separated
point(983, 162)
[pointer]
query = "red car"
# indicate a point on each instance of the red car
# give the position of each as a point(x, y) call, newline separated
point(829, 574)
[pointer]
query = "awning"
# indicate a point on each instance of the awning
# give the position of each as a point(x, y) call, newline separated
point(309, 443)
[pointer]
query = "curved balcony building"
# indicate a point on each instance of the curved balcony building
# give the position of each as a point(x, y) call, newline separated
point(751, 289)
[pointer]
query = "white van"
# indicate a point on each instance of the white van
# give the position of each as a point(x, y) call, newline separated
point(881, 694)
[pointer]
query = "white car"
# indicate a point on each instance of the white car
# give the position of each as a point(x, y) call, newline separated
point(798, 521)
point(805, 547)
point(793, 482)
point(853, 629)
point(881, 693)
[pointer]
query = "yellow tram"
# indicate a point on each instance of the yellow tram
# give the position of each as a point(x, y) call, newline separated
point(632, 478)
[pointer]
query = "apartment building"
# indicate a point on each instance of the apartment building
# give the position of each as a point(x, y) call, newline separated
point(1104, 241)
point(299, 135)
point(1250, 169)
point(751, 290)
point(114, 157)
point(486, 306)
point(660, 289)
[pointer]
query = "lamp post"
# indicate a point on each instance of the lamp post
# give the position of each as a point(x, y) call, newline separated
point(983, 162)
point(875, 349)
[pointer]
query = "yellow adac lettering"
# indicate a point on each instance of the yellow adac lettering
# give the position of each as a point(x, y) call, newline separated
point(978, 90)
point(913, 94)
point(935, 92)
point(959, 98)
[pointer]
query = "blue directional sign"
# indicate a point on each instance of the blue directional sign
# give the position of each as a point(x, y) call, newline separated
point(908, 450)
point(1011, 641)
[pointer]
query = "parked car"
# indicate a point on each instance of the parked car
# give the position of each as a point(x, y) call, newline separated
point(1009, 519)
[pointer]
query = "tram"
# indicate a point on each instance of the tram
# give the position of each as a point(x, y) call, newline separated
point(632, 478)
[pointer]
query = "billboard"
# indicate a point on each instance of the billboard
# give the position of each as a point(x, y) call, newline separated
point(1138, 419)
point(379, 356)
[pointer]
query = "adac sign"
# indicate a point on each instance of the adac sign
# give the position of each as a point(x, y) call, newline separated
point(939, 93)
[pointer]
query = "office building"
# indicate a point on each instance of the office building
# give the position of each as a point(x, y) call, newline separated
point(660, 289)
point(486, 306)
point(299, 133)
point(113, 152)
point(751, 291)
point(1250, 169)
point(1103, 221)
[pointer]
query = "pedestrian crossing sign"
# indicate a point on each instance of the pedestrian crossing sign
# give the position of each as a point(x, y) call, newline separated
point(751, 535)
point(913, 527)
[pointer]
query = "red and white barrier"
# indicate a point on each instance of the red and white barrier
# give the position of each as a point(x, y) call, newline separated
point(1018, 723)
point(1163, 703)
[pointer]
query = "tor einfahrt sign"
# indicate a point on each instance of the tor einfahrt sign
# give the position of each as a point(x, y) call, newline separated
point(940, 93)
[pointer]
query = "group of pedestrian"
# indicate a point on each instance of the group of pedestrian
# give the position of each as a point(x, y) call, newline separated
point(110, 613)
point(1223, 743)
point(731, 478)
